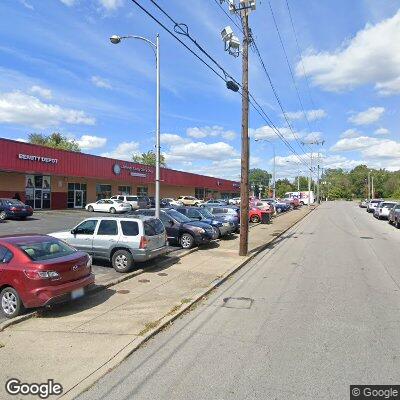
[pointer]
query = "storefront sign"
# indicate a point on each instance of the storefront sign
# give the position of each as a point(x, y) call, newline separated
point(30, 157)
point(141, 172)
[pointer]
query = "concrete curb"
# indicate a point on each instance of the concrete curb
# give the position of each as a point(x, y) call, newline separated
point(162, 323)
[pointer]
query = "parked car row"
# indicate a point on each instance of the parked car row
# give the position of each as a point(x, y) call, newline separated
point(383, 209)
point(41, 270)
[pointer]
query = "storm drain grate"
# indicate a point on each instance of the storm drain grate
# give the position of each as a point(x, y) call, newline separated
point(366, 237)
point(162, 274)
point(144, 280)
point(123, 291)
point(238, 302)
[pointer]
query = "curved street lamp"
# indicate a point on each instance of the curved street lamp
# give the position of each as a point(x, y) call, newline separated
point(116, 39)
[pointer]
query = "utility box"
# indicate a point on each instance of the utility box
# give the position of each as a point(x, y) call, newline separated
point(265, 218)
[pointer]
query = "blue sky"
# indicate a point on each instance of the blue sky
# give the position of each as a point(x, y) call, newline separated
point(59, 72)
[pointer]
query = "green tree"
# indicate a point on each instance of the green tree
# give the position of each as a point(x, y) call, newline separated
point(283, 186)
point(55, 141)
point(259, 177)
point(148, 158)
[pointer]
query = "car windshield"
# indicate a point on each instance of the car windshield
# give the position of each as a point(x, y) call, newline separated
point(178, 216)
point(46, 250)
point(388, 205)
point(118, 201)
point(205, 213)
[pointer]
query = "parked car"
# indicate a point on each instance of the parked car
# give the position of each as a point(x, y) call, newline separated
point(230, 214)
point(189, 201)
point(171, 202)
point(279, 206)
point(262, 205)
point(256, 214)
point(39, 270)
point(372, 204)
point(181, 230)
point(110, 206)
point(13, 208)
point(202, 214)
point(121, 240)
point(383, 209)
point(394, 216)
point(215, 202)
point(136, 202)
point(363, 203)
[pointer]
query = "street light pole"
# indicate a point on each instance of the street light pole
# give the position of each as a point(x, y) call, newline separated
point(274, 174)
point(115, 39)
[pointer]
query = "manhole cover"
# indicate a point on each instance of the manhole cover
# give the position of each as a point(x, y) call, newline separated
point(366, 237)
point(144, 280)
point(123, 291)
point(237, 302)
point(162, 274)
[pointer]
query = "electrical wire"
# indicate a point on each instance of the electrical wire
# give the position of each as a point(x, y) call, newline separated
point(185, 31)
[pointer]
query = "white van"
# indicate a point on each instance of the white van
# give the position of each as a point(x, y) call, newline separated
point(302, 196)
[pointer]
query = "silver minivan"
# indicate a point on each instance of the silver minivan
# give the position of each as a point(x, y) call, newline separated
point(121, 240)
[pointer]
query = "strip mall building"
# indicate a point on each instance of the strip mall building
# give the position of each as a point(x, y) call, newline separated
point(47, 178)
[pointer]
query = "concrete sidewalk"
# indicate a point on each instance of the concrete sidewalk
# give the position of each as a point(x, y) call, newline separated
point(77, 343)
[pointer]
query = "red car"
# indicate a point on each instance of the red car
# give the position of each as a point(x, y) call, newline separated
point(39, 270)
point(255, 214)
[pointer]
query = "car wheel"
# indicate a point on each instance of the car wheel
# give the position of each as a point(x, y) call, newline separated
point(11, 304)
point(278, 210)
point(196, 204)
point(3, 216)
point(397, 224)
point(113, 210)
point(90, 209)
point(389, 222)
point(255, 219)
point(122, 261)
point(187, 241)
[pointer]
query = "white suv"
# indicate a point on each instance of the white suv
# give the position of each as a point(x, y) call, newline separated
point(121, 240)
point(136, 202)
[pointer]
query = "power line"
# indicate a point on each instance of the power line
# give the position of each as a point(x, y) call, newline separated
point(185, 31)
point(299, 54)
point(289, 66)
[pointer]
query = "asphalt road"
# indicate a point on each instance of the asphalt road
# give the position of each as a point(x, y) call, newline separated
point(310, 316)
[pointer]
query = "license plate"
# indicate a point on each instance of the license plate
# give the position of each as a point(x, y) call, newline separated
point(75, 294)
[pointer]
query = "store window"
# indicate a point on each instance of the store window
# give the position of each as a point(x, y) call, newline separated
point(38, 191)
point(211, 194)
point(199, 193)
point(103, 191)
point(142, 191)
point(124, 190)
point(77, 193)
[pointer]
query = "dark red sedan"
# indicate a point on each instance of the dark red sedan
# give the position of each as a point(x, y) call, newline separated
point(38, 270)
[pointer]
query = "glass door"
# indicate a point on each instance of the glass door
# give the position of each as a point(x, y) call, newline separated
point(78, 198)
point(38, 199)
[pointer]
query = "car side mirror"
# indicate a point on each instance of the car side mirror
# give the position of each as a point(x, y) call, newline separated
point(73, 231)
point(199, 217)
point(171, 222)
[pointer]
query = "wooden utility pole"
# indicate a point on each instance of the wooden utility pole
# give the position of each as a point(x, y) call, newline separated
point(244, 180)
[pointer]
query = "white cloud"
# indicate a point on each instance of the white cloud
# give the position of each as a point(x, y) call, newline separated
point(382, 131)
point(89, 142)
point(68, 3)
point(385, 149)
point(371, 56)
point(266, 132)
point(123, 151)
point(24, 109)
point(354, 143)
point(110, 4)
point(171, 139)
point(389, 88)
point(312, 115)
point(100, 82)
point(41, 92)
point(351, 133)
point(210, 131)
point(313, 137)
point(201, 150)
point(366, 117)
point(26, 4)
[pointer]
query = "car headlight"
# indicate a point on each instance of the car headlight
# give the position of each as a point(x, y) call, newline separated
point(226, 224)
point(199, 230)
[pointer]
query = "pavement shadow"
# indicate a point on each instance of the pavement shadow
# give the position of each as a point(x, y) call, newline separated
point(73, 307)
point(212, 245)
